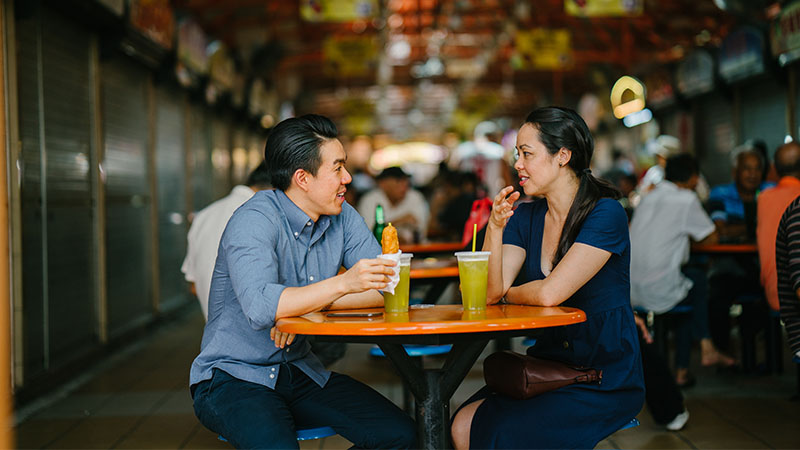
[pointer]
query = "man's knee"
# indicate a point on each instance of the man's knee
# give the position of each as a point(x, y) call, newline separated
point(400, 434)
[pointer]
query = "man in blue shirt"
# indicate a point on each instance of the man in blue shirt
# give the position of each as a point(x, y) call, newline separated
point(278, 257)
point(733, 210)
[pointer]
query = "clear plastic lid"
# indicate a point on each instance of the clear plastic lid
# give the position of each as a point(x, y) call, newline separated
point(472, 256)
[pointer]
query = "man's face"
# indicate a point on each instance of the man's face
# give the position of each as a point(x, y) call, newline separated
point(327, 187)
point(748, 172)
point(395, 188)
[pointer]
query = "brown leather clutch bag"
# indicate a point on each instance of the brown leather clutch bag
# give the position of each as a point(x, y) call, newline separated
point(522, 376)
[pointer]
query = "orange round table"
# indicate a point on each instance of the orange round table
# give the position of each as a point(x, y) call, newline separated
point(468, 332)
point(725, 248)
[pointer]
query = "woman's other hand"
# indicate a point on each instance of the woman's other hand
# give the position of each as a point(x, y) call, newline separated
point(503, 207)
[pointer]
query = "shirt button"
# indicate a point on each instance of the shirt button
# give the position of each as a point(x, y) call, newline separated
point(273, 369)
point(309, 223)
point(311, 278)
point(296, 234)
point(272, 375)
point(287, 349)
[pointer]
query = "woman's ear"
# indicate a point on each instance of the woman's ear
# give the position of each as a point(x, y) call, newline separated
point(564, 156)
point(300, 177)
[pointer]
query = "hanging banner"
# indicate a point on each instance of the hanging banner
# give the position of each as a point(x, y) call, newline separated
point(349, 55)
point(155, 19)
point(337, 10)
point(542, 49)
point(785, 34)
point(741, 55)
point(695, 74)
point(607, 8)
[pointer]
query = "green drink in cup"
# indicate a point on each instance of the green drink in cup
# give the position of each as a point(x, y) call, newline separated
point(473, 269)
point(398, 302)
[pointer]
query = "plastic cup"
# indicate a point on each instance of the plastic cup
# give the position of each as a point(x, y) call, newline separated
point(398, 302)
point(473, 270)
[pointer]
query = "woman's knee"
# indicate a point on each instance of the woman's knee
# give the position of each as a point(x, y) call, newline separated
point(462, 425)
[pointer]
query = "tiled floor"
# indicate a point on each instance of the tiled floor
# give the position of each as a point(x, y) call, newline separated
point(141, 400)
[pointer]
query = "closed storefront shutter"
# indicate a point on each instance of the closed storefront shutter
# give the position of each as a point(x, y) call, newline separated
point(57, 226)
point(171, 173)
point(764, 112)
point(202, 172)
point(221, 157)
point(125, 121)
point(716, 137)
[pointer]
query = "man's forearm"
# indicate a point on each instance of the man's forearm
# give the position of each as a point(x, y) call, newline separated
point(296, 301)
point(368, 299)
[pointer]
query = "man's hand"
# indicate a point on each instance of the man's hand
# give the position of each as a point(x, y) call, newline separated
point(502, 208)
point(368, 274)
point(281, 339)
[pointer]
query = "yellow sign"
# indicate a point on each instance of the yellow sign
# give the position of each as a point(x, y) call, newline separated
point(595, 8)
point(349, 55)
point(337, 10)
point(543, 49)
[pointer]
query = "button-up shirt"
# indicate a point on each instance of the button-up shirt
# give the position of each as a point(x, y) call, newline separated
point(268, 245)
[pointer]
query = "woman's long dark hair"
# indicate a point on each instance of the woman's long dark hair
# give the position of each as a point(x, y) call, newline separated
point(564, 128)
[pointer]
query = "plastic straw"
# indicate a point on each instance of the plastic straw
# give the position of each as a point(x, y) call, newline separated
point(474, 233)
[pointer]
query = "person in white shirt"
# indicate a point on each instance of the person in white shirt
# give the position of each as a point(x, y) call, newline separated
point(660, 230)
point(206, 231)
point(403, 206)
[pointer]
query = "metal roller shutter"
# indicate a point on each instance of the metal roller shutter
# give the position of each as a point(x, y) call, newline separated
point(55, 114)
point(221, 157)
point(171, 173)
point(203, 171)
point(125, 125)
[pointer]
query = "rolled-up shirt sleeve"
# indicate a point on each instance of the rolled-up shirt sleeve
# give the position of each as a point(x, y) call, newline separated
point(249, 243)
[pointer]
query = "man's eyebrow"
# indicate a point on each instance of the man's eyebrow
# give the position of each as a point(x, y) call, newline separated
point(339, 161)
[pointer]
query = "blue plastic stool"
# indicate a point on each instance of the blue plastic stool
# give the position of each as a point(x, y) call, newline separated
point(306, 434)
point(529, 342)
point(414, 351)
point(633, 423)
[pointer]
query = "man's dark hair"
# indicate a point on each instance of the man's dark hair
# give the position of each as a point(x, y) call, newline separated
point(680, 168)
point(259, 176)
point(294, 144)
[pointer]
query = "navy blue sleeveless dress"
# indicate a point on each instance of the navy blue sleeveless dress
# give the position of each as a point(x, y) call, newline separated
point(576, 416)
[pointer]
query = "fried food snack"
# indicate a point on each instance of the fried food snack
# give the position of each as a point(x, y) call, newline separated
point(389, 241)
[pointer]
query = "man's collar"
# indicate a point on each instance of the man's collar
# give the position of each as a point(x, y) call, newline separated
point(789, 181)
point(296, 217)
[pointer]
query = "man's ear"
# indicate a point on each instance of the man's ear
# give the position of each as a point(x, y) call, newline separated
point(300, 178)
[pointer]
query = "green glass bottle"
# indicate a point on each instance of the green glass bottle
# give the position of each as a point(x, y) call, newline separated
point(379, 223)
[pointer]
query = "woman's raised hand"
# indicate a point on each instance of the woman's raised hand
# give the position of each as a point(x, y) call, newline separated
point(502, 208)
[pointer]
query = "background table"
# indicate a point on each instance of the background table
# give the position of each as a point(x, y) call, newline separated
point(436, 272)
point(725, 248)
point(468, 332)
point(432, 248)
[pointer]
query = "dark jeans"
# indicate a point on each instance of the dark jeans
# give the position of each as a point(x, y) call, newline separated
point(250, 415)
point(695, 327)
point(662, 396)
point(724, 289)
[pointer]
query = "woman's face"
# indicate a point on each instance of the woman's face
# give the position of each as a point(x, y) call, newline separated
point(537, 168)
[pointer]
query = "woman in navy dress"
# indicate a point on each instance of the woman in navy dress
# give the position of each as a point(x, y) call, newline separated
point(572, 248)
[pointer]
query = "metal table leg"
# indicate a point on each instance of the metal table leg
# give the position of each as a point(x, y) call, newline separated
point(433, 388)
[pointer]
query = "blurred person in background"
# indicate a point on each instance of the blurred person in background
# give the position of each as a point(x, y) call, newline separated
point(661, 148)
point(771, 204)
point(451, 203)
point(484, 157)
point(661, 229)
point(207, 228)
point(733, 208)
point(403, 206)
